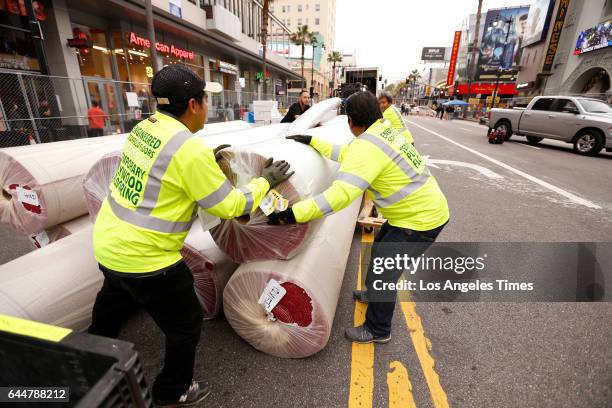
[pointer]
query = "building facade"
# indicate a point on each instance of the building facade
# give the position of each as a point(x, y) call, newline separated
point(320, 17)
point(100, 51)
point(583, 61)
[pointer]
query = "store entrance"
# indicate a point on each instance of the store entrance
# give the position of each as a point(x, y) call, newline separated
point(106, 93)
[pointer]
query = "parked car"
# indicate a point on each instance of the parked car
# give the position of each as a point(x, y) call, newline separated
point(585, 122)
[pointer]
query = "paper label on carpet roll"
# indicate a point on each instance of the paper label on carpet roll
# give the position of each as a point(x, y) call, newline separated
point(270, 202)
point(272, 294)
point(40, 240)
point(27, 196)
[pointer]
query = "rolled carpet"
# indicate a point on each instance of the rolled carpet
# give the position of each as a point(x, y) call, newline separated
point(251, 238)
point(210, 267)
point(58, 232)
point(301, 322)
point(41, 184)
point(56, 284)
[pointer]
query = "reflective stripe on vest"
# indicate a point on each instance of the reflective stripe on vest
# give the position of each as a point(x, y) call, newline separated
point(417, 180)
point(248, 206)
point(353, 180)
point(323, 204)
point(216, 196)
point(335, 154)
point(141, 215)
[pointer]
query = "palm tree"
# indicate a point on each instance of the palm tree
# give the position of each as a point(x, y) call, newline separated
point(301, 37)
point(413, 78)
point(333, 57)
point(264, 41)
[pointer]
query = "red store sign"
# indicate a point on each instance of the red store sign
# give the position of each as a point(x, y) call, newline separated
point(488, 88)
point(161, 47)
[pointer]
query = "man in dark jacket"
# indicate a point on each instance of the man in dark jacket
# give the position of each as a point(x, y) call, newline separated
point(298, 108)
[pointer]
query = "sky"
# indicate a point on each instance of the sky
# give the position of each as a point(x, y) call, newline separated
point(390, 34)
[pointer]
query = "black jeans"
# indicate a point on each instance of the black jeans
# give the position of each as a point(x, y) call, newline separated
point(170, 300)
point(96, 132)
point(380, 313)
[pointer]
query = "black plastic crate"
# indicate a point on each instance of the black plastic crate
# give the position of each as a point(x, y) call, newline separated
point(98, 371)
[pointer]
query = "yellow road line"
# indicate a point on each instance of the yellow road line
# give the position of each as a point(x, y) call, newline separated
point(361, 386)
point(400, 388)
point(422, 346)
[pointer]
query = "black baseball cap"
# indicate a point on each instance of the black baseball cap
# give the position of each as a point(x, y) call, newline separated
point(177, 83)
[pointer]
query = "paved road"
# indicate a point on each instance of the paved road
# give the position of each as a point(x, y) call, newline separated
point(459, 354)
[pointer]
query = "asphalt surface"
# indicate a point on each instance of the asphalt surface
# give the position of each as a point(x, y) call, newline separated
point(485, 354)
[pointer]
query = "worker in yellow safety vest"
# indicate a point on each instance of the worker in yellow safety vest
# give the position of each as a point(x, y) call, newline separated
point(393, 115)
point(164, 174)
point(387, 166)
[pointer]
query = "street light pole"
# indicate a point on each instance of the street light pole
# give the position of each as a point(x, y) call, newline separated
point(500, 69)
point(151, 32)
point(314, 45)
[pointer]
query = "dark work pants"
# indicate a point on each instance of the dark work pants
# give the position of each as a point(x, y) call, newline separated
point(170, 300)
point(96, 132)
point(380, 313)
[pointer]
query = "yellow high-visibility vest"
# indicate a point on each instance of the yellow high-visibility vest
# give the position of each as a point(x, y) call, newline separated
point(393, 115)
point(391, 171)
point(165, 173)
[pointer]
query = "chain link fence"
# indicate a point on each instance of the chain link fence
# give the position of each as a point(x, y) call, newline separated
point(39, 108)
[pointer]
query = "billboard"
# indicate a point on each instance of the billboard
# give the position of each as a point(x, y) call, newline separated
point(504, 30)
point(594, 38)
point(433, 53)
point(537, 21)
point(450, 79)
point(557, 27)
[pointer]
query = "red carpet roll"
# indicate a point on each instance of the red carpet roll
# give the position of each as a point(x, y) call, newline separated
point(301, 322)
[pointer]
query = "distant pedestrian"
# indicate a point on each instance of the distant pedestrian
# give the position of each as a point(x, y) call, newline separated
point(47, 121)
point(97, 119)
point(440, 111)
point(229, 112)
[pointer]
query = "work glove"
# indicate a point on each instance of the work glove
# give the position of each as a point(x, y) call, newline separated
point(276, 172)
point(217, 151)
point(301, 139)
point(282, 218)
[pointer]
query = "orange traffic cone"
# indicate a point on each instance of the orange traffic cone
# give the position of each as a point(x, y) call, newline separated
point(31, 139)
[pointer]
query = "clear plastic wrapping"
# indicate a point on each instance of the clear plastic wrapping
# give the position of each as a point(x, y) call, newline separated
point(211, 269)
point(42, 183)
point(251, 238)
point(56, 284)
point(303, 319)
point(318, 113)
point(97, 181)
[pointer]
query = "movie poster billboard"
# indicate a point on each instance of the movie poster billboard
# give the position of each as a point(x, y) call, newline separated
point(504, 31)
point(537, 21)
point(594, 38)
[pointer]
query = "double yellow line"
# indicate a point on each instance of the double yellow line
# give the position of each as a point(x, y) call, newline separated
point(398, 381)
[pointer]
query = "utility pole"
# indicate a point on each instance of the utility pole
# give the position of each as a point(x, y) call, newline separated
point(474, 62)
point(151, 31)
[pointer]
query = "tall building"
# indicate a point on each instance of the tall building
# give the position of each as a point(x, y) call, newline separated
point(582, 63)
point(101, 51)
point(320, 17)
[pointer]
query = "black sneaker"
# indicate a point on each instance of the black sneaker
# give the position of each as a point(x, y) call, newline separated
point(362, 335)
point(197, 392)
point(361, 295)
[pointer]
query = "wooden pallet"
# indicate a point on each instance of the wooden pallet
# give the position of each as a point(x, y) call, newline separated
point(369, 218)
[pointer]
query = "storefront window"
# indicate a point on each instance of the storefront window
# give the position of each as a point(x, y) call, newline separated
point(95, 61)
point(17, 50)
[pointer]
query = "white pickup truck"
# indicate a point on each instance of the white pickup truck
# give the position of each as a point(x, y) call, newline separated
point(585, 122)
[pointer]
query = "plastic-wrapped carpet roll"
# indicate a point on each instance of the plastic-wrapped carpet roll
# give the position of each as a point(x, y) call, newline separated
point(211, 269)
point(319, 112)
point(98, 178)
point(253, 239)
point(312, 279)
point(42, 183)
point(58, 232)
point(56, 284)
point(97, 182)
